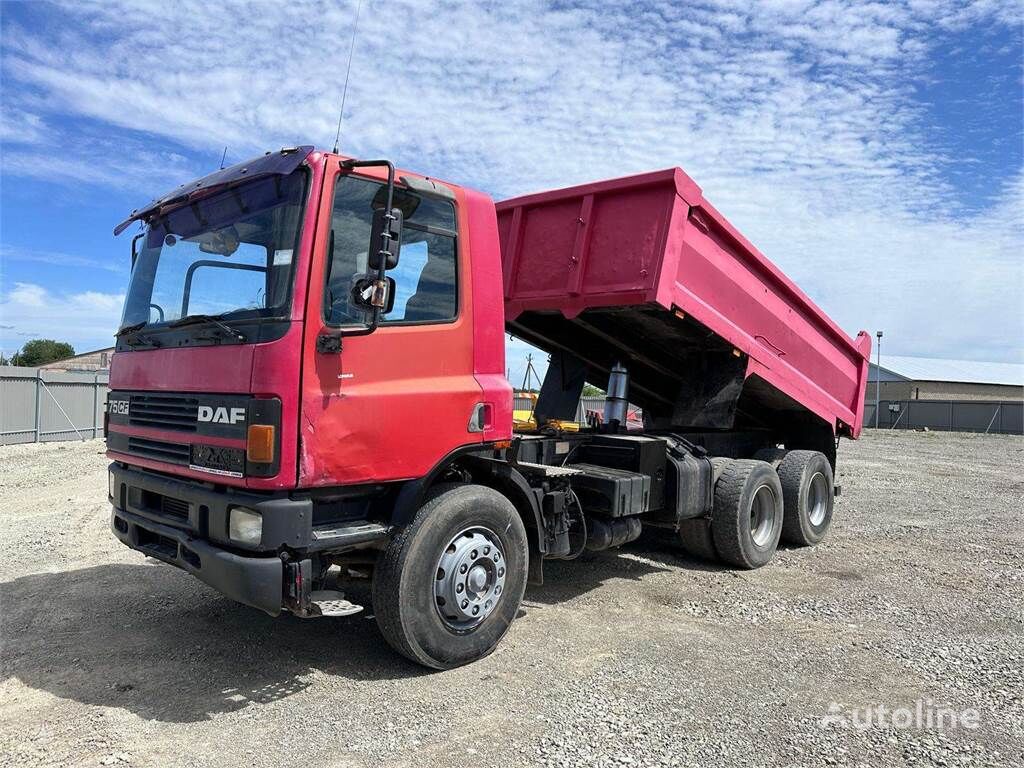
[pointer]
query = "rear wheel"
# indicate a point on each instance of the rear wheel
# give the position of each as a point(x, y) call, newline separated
point(808, 495)
point(746, 519)
point(448, 586)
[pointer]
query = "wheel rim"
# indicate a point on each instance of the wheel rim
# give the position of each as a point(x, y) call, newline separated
point(762, 516)
point(817, 499)
point(470, 578)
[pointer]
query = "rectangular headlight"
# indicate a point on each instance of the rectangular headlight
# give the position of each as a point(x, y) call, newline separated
point(111, 485)
point(245, 526)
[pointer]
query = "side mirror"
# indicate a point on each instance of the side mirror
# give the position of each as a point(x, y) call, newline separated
point(385, 239)
point(368, 292)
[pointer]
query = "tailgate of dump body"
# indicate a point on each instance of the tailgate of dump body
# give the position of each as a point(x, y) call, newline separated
point(643, 267)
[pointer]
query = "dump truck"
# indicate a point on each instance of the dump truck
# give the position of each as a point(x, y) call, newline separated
point(309, 390)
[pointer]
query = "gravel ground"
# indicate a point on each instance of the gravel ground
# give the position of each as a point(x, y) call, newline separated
point(636, 657)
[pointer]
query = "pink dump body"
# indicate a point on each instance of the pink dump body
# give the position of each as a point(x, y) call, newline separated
point(644, 268)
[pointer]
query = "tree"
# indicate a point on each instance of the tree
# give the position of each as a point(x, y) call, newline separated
point(42, 351)
point(589, 390)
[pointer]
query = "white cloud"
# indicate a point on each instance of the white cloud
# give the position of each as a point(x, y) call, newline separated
point(87, 319)
point(100, 160)
point(797, 118)
point(9, 253)
point(18, 126)
point(28, 296)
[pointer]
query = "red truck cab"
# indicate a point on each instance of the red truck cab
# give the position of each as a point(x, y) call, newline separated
point(309, 380)
point(385, 410)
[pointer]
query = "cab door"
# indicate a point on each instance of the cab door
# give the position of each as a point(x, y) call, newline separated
point(391, 404)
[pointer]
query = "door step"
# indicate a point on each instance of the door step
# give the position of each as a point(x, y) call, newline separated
point(330, 602)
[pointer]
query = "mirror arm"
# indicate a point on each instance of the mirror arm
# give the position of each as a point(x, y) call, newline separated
point(380, 286)
point(135, 254)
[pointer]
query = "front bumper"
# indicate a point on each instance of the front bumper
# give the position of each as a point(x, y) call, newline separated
point(253, 581)
point(203, 510)
point(185, 523)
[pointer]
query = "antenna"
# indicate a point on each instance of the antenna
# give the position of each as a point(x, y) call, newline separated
point(348, 70)
point(222, 157)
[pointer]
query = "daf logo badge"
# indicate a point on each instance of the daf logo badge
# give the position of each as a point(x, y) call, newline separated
point(221, 415)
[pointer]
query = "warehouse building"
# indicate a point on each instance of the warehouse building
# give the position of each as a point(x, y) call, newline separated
point(98, 360)
point(927, 378)
point(957, 395)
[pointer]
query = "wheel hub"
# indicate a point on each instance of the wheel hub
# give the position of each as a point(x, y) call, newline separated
point(817, 499)
point(477, 579)
point(762, 515)
point(470, 578)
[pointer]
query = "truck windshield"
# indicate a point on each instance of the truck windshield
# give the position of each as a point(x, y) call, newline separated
point(229, 255)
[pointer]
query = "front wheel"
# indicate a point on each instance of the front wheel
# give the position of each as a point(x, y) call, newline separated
point(448, 586)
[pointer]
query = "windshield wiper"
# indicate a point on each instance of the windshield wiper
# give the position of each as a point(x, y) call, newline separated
point(133, 337)
point(212, 320)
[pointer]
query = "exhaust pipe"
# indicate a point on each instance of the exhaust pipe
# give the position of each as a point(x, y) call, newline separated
point(616, 404)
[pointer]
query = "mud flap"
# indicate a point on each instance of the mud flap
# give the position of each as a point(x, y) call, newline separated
point(535, 568)
point(695, 536)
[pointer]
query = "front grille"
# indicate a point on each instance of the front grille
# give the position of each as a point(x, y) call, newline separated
point(174, 507)
point(157, 503)
point(175, 453)
point(165, 411)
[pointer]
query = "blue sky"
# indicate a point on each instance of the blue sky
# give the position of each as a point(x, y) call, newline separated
point(872, 150)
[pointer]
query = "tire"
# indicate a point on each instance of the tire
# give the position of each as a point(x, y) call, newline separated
point(746, 520)
point(696, 540)
point(808, 497)
point(455, 523)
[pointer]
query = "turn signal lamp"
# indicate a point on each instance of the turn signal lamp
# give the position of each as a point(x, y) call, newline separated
point(259, 447)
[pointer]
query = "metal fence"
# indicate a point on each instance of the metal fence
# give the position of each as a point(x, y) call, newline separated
point(37, 405)
point(1005, 417)
point(948, 415)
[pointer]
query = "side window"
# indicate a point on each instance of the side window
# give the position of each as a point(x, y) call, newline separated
point(426, 285)
point(424, 279)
